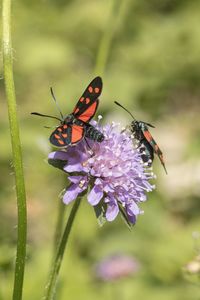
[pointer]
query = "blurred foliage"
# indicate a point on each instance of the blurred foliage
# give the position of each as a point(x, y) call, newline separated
point(153, 68)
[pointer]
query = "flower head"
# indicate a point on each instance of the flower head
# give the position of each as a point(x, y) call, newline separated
point(117, 266)
point(112, 172)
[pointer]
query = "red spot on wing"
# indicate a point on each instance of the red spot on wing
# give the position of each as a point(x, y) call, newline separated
point(148, 136)
point(77, 134)
point(65, 126)
point(87, 100)
point(90, 89)
point(89, 112)
point(59, 129)
point(56, 136)
point(97, 90)
point(82, 99)
point(61, 142)
point(76, 110)
point(64, 135)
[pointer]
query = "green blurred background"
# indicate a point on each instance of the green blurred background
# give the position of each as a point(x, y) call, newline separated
point(148, 53)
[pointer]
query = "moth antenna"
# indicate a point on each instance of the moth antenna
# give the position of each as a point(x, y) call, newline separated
point(58, 107)
point(46, 116)
point(148, 124)
point(125, 109)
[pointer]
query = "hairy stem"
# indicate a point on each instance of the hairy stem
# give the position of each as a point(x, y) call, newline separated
point(16, 150)
point(51, 284)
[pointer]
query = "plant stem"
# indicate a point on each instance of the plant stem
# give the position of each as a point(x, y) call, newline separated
point(59, 226)
point(114, 18)
point(16, 150)
point(51, 284)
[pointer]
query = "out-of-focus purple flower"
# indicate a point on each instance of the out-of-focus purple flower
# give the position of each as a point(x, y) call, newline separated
point(117, 267)
point(112, 172)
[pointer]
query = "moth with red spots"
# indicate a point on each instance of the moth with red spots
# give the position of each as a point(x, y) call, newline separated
point(75, 126)
point(148, 145)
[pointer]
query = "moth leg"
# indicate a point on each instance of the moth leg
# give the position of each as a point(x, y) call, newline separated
point(90, 149)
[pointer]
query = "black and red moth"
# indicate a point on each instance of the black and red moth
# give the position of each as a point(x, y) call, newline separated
point(75, 126)
point(148, 145)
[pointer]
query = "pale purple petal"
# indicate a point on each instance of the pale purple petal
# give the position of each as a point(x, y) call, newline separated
point(132, 208)
point(95, 195)
point(132, 211)
point(71, 193)
point(75, 179)
point(132, 219)
point(61, 155)
point(112, 211)
point(107, 188)
point(76, 167)
point(74, 159)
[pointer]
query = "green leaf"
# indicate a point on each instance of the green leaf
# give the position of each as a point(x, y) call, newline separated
point(100, 214)
point(124, 217)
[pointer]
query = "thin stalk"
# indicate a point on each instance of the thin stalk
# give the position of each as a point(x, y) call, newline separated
point(59, 226)
point(16, 150)
point(118, 8)
point(51, 284)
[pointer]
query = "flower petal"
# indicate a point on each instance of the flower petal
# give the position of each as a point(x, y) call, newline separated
point(132, 209)
point(132, 219)
point(76, 167)
point(95, 195)
point(73, 159)
point(75, 179)
point(71, 193)
point(107, 188)
point(62, 155)
point(112, 210)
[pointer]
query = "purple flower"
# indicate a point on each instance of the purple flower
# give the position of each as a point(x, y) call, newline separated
point(116, 267)
point(112, 173)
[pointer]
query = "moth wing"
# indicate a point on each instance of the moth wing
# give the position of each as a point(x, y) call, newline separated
point(78, 133)
point(155, 146)
point(66, 135)
point(88, 102)
point(61, 136)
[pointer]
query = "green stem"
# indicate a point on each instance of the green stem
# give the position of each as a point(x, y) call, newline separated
point(16, 149)
point(115, 17)
point(51, 284)
point(59, 225)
